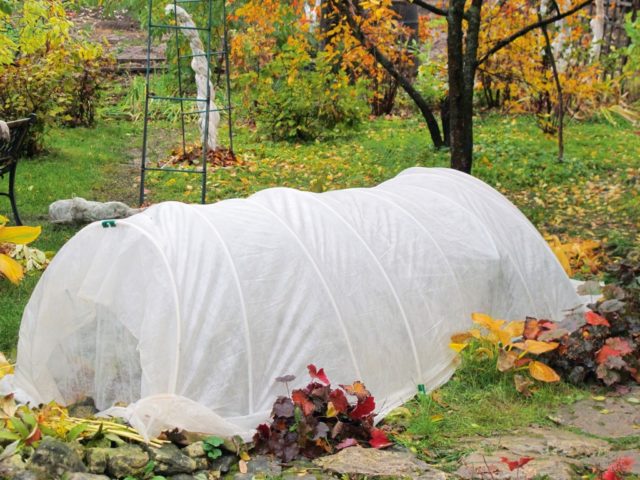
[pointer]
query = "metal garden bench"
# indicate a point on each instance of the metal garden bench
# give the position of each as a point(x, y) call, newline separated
point(9, 151)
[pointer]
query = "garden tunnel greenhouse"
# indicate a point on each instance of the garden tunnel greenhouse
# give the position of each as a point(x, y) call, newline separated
point(187, 313)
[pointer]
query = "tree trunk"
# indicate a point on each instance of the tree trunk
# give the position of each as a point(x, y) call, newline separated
point(462, 74)
point(556, 79)
point(456, 83)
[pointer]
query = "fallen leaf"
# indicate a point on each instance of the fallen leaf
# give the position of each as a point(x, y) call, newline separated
point(346, 443)
point(536, 347)
point(522, 385)
point(506, 360)
point(542, 372)
point(242, 466)
point(515, 464)
point(379, 439)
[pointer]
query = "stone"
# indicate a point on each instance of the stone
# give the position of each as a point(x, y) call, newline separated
point(182, 476)
point(85, 476)
point(96, 459)
point(538, 441)
point(613, 417)
point(263, 464)
point(195, 450)
point(31, 475)
point(374, 462)
point(10, 467)
point(55, 458)
point(603, 461)
point(79, 210)
point(202, 463)
point(169, 460)
point(129, 460)
point(480, 465)
point(207, 475)
point(83, 409)
point(224, 463)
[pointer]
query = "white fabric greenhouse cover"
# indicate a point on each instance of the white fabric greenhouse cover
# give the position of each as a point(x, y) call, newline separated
point(188, 313)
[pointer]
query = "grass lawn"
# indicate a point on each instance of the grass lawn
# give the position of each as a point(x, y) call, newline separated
point(594, 193)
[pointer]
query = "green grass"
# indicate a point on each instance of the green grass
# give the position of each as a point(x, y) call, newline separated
point(595, 193)
point(478, 401)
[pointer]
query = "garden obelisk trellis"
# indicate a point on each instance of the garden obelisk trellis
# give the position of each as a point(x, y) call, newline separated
point(200, 103)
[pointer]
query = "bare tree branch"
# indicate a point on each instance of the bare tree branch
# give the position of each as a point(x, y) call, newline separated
point(542, 23)
point(345, 6)
point(430, 8)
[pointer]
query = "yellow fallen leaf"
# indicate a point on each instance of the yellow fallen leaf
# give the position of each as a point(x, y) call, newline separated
point(460, 337)
point(542, 372)
point(599, 398)
point(486, 321)
point(515, 328)
point(10, 269)
point(458, 347)
point(536, 347)
point(245, 456)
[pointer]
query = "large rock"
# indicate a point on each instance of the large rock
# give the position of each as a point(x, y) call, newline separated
point(195, 450)
point(96, 459)
point(55, 458)
point(554, 453)
point(378, 463)
point(12, 466)
point(85, 476)
point(126, 461)
point(613, 416)
point(169, 460)
point(481, 465)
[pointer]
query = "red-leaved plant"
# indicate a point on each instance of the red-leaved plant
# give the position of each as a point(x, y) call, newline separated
point(618, 469)
point(318, 420)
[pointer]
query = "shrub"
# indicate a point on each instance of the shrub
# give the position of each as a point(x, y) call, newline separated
point(300, 98)
point(46, 70)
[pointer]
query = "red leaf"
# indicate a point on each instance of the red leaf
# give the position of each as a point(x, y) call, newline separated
point(515, 464)
point(363, 409)
point(533, 328)
point(339, 401)
point(620, 344)
point(300, 398)
point(379, 439)
point(318, 374)
point(348, 442)
point(605, 352)
point(594, 319)
point(620, 465)
point(264, 430)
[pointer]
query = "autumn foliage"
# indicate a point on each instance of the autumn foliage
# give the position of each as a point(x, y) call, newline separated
point(319, 419)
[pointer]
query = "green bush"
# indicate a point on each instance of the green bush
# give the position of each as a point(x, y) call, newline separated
point(46, 70)
point(300, 98)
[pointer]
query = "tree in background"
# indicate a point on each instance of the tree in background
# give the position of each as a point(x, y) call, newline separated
point(465, 56)
point(44, 69)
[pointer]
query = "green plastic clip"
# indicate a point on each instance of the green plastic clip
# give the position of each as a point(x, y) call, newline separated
point(421, 389)
point(108, 223)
